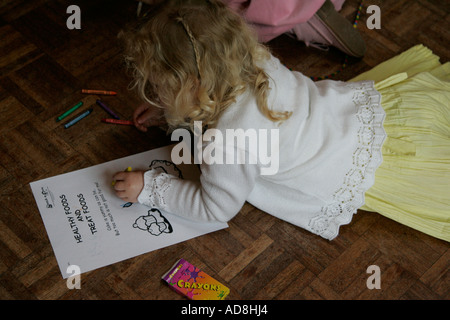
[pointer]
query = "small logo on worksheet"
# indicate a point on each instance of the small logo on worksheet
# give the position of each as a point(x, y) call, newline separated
point(48, 197)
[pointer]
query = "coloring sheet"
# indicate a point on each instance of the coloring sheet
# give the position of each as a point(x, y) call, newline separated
point(90, 227)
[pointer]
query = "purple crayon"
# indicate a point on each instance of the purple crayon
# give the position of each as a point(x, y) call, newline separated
point(101, 104)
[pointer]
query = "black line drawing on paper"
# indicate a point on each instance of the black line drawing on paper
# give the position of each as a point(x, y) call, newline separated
point(154, 223)
point(167, 166)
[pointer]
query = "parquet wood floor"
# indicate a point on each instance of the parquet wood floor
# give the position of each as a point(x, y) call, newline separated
point(44, 66)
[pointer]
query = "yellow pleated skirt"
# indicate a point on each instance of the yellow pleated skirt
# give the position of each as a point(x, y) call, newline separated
point(412, 185)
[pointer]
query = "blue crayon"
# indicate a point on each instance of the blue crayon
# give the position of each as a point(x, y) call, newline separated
point(81, 116)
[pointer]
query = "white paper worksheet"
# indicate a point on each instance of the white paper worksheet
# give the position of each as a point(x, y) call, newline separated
point(88, 226)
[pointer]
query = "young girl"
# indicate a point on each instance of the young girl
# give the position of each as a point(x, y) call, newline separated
point(198, 61)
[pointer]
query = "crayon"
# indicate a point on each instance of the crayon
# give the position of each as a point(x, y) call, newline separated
point(65, 114)
point(101, 92)
point(116, 121)
point(126, 170)
point(105, 107)
point(81, 116)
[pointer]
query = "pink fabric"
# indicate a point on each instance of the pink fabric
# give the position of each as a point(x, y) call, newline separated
point(272, 18)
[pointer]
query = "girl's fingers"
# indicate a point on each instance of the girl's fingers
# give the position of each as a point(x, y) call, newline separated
point(128, 185)
point(119, 176)
point(122, 195)
point(119, 186)
point(140, 127)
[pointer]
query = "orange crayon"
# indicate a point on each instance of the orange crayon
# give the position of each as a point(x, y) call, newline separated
point(101, 92)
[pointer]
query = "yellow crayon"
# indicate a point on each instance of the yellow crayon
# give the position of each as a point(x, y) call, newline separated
point(126, 170)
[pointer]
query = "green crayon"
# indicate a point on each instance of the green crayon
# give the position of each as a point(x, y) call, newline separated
point(65, 114)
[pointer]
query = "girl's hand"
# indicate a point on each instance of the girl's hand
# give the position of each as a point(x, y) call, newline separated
point(147, 115)
point(128, 185)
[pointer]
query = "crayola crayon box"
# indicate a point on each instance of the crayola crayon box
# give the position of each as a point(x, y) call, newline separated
point(195, 284)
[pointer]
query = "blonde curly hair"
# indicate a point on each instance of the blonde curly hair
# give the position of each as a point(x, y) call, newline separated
point(193, 58)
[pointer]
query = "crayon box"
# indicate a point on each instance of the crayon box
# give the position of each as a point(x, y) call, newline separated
point(193, 283)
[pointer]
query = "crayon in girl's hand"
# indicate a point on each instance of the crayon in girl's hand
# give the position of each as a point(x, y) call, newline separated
point(129, 169)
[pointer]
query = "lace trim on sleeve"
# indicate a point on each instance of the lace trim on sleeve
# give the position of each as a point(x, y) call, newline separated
point(156, 185)
point(367, 157)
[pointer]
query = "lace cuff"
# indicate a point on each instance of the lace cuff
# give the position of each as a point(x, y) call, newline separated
point(156, 185)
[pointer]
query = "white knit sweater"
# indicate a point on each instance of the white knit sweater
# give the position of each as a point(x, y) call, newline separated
point(329, 150)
